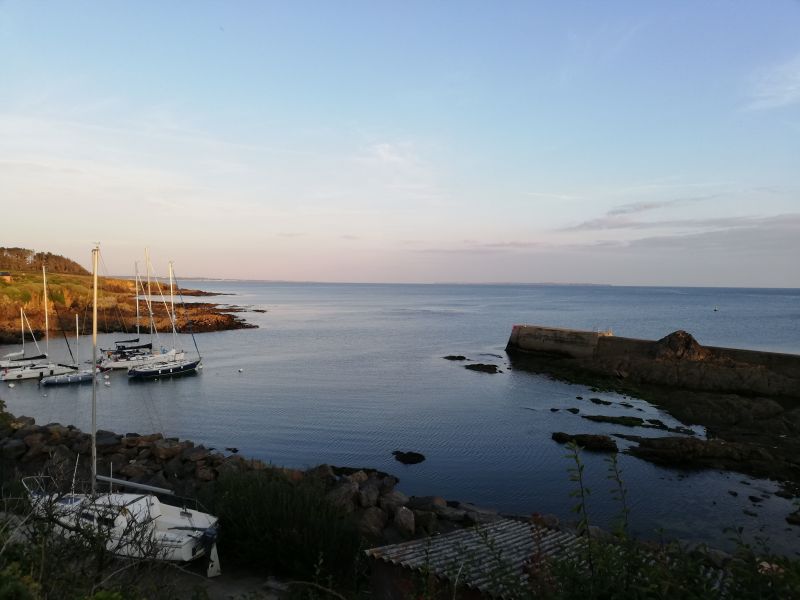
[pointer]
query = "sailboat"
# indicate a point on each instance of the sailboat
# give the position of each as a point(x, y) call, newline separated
point(137, 525)
point(18, 360)
point(126, 356)
point(81, 376)
point(178, 366)
point(39, 370)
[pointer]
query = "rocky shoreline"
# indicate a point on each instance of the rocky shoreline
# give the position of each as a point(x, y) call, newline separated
point(382, 513)
point(755, 435)
point(117, 314)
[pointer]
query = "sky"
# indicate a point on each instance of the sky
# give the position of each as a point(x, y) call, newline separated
point(630, 143)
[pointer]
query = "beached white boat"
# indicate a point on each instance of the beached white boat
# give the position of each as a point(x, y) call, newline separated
point(138, 525)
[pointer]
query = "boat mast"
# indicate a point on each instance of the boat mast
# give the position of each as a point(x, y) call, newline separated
point(95, 253)
point(46, 320)
point(77, 344)
point(136, 285)
point(22, 327)
point(172, 308)
point(147, 268)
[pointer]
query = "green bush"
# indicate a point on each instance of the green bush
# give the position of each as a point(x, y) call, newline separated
point(285, 527)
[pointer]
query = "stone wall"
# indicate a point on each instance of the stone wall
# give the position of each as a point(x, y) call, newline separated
point(676, 360)
point(553, 340)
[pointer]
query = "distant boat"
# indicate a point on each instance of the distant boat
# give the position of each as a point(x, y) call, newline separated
point(716, 309)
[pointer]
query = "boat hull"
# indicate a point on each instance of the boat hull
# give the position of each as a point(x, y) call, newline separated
point(142, 360)
point(171, 369)
point(82, 377)
point(36, 372)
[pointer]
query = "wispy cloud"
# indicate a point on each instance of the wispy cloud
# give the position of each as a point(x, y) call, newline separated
point(620, 217)
point(776, 86)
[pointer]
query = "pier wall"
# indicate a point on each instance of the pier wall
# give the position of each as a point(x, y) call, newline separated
point(712, 368)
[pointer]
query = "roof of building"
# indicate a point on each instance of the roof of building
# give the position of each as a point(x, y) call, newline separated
point(487, 558)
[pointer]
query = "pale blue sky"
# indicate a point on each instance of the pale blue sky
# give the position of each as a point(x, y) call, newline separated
point(604, 142)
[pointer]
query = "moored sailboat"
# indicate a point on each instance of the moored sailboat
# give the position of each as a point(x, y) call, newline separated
point(179, 365)
point(18, 360)
point(78, 376)
point(38, 369)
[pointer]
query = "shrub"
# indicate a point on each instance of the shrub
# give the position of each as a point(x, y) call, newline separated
point(285, 527)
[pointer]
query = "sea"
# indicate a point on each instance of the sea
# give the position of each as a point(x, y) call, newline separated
point(345, 374)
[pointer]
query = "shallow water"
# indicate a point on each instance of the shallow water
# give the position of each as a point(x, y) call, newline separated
point(346, 374)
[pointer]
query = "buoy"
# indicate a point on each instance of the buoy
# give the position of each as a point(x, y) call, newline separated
point(44, 395)
point(12, 385)
point(106, 377)
point(241, 370)
point(107, 384)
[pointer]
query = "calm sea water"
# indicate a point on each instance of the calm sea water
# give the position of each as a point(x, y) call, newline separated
point(346, 374)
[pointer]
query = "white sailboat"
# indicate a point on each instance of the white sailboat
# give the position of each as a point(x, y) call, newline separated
point(135, 525)
point(77, 376)
point(180, 365)
point(142, 355)
point(40, 369)
point(18, 360)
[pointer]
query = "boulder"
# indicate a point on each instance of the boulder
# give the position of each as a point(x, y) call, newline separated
point(204, 473)
point(392, 501)
point(134, 471)
point(22, 422)
point(483, 368)
point(368, 494)
point(357, 477)
point(343, 496)
point(34, 439)
point(58, 432)
point(425, 521)
point(322, 472)
point(387, 484)
point(428, 503)
point(13, 448)
point(107, 441)
point(450, 514)
point(194, 454)
point(587, 441)
point(408, 458)
point(371, 522)
point(164, 450)
point(680, 345)
point(404, 521)
point(173, 468)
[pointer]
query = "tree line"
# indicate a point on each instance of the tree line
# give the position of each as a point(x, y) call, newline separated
point(23, 259)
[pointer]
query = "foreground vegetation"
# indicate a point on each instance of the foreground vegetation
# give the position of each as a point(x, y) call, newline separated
point(273, 525)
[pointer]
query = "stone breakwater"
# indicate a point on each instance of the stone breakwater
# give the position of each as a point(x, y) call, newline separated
point(676, 360)
point(749, 402)
point(382, 513)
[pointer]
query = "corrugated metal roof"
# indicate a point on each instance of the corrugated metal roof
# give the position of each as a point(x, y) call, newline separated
point(493, 558)
point(490, 558)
